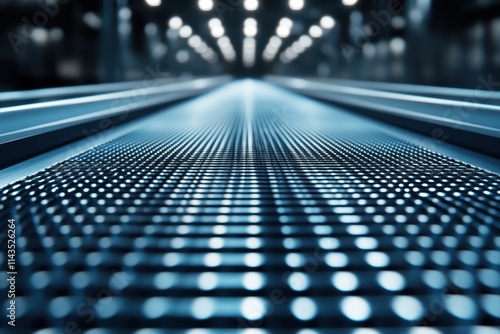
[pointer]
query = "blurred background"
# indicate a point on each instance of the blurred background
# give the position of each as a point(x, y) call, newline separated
point(47, 43)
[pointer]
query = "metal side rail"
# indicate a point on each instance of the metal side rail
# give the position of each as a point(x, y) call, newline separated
point(487, 90)
point(468, 124)
point(32, 128)
point(13, 98)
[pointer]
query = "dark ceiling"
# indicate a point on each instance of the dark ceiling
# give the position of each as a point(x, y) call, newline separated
point(432, 35)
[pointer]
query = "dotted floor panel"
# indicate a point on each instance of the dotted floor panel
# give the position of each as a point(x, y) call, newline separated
point(254, 210)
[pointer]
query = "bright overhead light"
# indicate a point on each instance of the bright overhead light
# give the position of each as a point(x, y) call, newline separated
point(201, 48)
point(272, 48)
point(283, 31)
point(194, 41)
point(249, 52)
point(223, 42)
point(284, 59)
point(226, 48)
point(206, 5)
point(185, 31)
point(249, 42)
point(275, 41)
point(349, 2)
point(296, 4)
point(268, 57)
point(175, 23)
point(251, 5)
point(290, 53)
point(215, 22)
point(397, 45)
point(250, 30)
point(315, 31)
point(125, 14)
point(153, 3)
point(286, 22)
point(327, 22)
point(208, 53)
point(251, 22)
point(305, 41)
point(298, 48)
point(217, 31)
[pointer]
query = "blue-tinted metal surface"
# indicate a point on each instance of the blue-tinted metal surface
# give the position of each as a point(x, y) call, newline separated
point(251, 209)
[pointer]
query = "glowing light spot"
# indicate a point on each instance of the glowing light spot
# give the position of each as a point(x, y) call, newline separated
point(355, 308)
point(408, 308)
point(304, 308)
point(345, 281)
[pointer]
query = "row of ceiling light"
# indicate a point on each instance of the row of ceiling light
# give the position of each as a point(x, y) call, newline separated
point(250, 5)
point(217, 31)
point(305, 41)
point(194, 41)
point(250, 30)
point(282, 31)
point(249, 43)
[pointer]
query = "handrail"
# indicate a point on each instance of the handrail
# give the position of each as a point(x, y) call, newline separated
point(13, 98)
point(28, 120)
point(486, 91)
point(469, 124)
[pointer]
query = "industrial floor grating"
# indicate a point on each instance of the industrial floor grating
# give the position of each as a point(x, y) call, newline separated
point(254, 210)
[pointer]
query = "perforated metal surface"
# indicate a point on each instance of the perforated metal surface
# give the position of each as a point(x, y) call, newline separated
point(256, 209)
